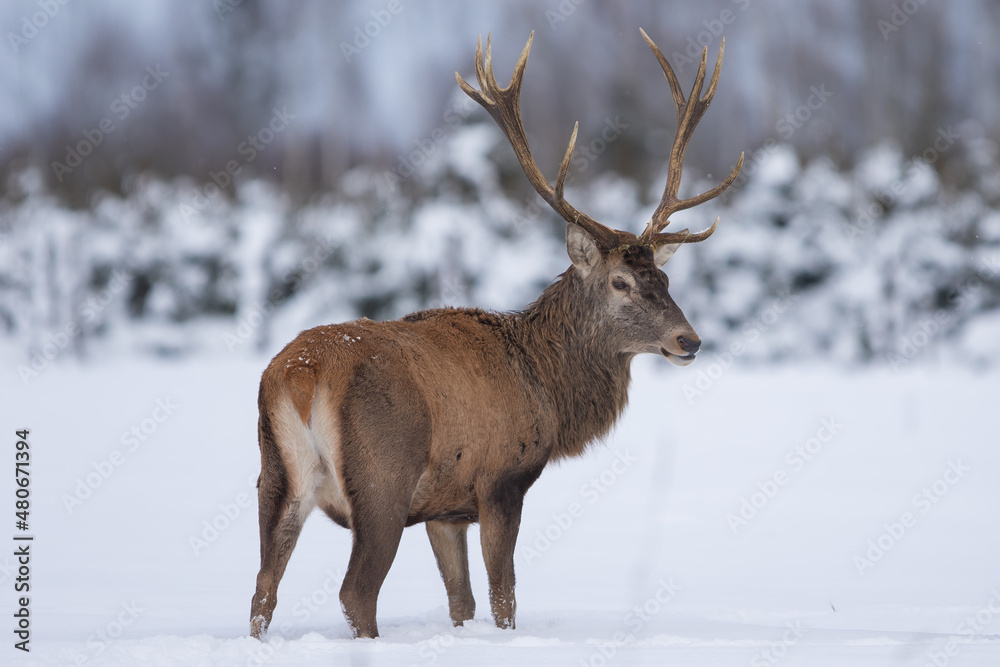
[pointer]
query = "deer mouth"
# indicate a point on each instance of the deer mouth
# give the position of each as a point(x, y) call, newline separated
point(677, 359)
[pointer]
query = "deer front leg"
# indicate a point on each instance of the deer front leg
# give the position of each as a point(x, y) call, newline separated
point(448, 540)
point(499, 524)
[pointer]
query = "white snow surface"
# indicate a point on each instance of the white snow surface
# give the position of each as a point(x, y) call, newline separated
point(626, 555)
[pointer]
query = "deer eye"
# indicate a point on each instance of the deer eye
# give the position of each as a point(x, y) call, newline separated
point(619, 284)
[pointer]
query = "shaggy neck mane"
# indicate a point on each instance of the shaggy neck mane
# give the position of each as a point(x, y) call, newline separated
point(577, 363)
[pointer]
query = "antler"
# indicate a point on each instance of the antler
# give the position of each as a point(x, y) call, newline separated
point(689, 112)
point(503, 104)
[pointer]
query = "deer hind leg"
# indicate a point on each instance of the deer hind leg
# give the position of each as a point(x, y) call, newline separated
point(448, 540)
point(282, 511)
point(377, 530)
point(385, 433)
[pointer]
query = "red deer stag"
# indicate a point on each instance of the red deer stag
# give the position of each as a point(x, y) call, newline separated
point(447, 416)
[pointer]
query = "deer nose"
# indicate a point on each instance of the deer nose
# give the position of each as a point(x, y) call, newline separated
point(688, 345)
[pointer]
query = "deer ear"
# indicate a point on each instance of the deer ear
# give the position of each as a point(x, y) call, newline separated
point(664, 252)
point(582, 249)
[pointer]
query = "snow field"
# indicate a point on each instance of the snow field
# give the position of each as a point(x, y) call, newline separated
point(802, 516)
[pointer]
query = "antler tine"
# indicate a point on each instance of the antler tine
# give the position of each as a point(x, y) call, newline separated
point(668, 71)
point(689, 113)
point(503, 104)
point(564, 165)
point(491, 80)
point(714, 82)
point(684, 236)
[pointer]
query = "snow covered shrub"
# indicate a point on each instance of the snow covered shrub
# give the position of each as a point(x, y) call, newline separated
point(878, 264)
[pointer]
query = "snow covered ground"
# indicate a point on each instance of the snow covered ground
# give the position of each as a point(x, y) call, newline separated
point(793, 516)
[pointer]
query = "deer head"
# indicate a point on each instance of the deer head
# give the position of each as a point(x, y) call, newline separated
point(620, 271)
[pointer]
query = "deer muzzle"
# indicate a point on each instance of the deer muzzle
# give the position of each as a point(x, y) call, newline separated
point(686, 347)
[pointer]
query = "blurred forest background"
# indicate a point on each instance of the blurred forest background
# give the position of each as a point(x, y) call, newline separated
point(181, 177)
